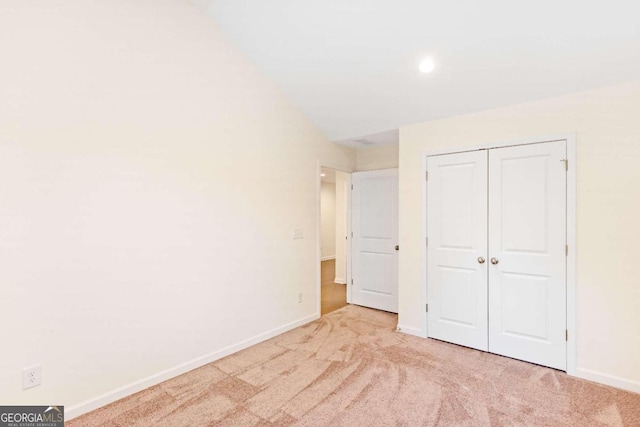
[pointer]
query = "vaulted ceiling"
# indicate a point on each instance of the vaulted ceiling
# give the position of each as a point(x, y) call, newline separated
point(352, 65)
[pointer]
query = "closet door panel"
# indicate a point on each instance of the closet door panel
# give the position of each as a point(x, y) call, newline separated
point(457, 233)
point(527, 262)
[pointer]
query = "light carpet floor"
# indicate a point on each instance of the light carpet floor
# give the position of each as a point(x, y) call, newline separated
point(351, 368)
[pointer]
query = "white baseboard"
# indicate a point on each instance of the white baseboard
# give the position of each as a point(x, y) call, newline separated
point(134, 387)
point(340, 281)
point(606, 379)
point(411, 331)
point(327, 258)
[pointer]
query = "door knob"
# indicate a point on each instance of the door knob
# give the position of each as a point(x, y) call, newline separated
point(480, 260)
point(397, 247)
point(494, 261)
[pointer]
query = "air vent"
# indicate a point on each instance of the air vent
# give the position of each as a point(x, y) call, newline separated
point(365, 142)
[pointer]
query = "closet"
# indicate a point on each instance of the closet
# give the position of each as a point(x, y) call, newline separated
point(496, 255)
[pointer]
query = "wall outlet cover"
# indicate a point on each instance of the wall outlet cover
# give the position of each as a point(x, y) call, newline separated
point(31, 376)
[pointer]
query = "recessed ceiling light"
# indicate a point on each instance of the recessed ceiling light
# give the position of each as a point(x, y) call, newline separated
point(323, 175)
point(427, 65)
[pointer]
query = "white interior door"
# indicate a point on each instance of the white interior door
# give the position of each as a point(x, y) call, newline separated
point(457, 248)
point(375, 236)
point(496, 260)
point(527, 267)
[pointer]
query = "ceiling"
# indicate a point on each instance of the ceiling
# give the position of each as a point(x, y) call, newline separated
point(352, 65)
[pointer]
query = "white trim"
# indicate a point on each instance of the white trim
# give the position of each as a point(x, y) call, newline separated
point(376, 170)
point(327, 258)
point(134, 387)
point(334, 166)
point(347, 248)
point(571, 257)
point(411, 331)
point(340, 281)
point(503, 144)
point(610, 380)
point(570, 139)
point(319, 238)
point(423, 251)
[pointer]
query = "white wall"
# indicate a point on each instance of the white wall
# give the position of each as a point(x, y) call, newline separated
point(377, 157)
point(342, 179)
point(328, 220)
point(150, 179)
point(607, 126)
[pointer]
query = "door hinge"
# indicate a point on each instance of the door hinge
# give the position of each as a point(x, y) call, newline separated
point(566, 250)
point(426, 241)
point(566, 335)
point(352, 234)
point(352, 281)
point(426, 176)
point(427, 308)
point(566, 164)
point(352, 186)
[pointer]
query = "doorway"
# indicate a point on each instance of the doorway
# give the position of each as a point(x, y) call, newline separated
point(334, 239)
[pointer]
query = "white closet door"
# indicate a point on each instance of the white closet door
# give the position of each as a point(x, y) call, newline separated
point(456, 252)
point(527, 265)
point(375, 236)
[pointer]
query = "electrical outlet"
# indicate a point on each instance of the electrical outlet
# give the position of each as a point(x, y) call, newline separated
point(300, 299)
point(31, 376)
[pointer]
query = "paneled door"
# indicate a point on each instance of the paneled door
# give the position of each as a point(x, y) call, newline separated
point(496, 257)
point(457, 249)
point(527, 241)
point(375, 239)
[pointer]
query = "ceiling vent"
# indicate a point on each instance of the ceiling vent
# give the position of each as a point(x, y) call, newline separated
point(364, 142)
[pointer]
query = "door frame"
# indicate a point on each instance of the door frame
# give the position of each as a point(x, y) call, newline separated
point(347, 248)
point(570, 139)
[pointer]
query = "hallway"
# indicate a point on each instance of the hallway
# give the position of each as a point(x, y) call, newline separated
point(333, 295)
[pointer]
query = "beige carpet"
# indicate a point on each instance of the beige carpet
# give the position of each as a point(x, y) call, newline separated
point(351, 368)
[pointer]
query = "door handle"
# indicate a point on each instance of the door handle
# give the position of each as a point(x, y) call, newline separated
point(481, 260)
point(397, 247)
point(494, 261)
